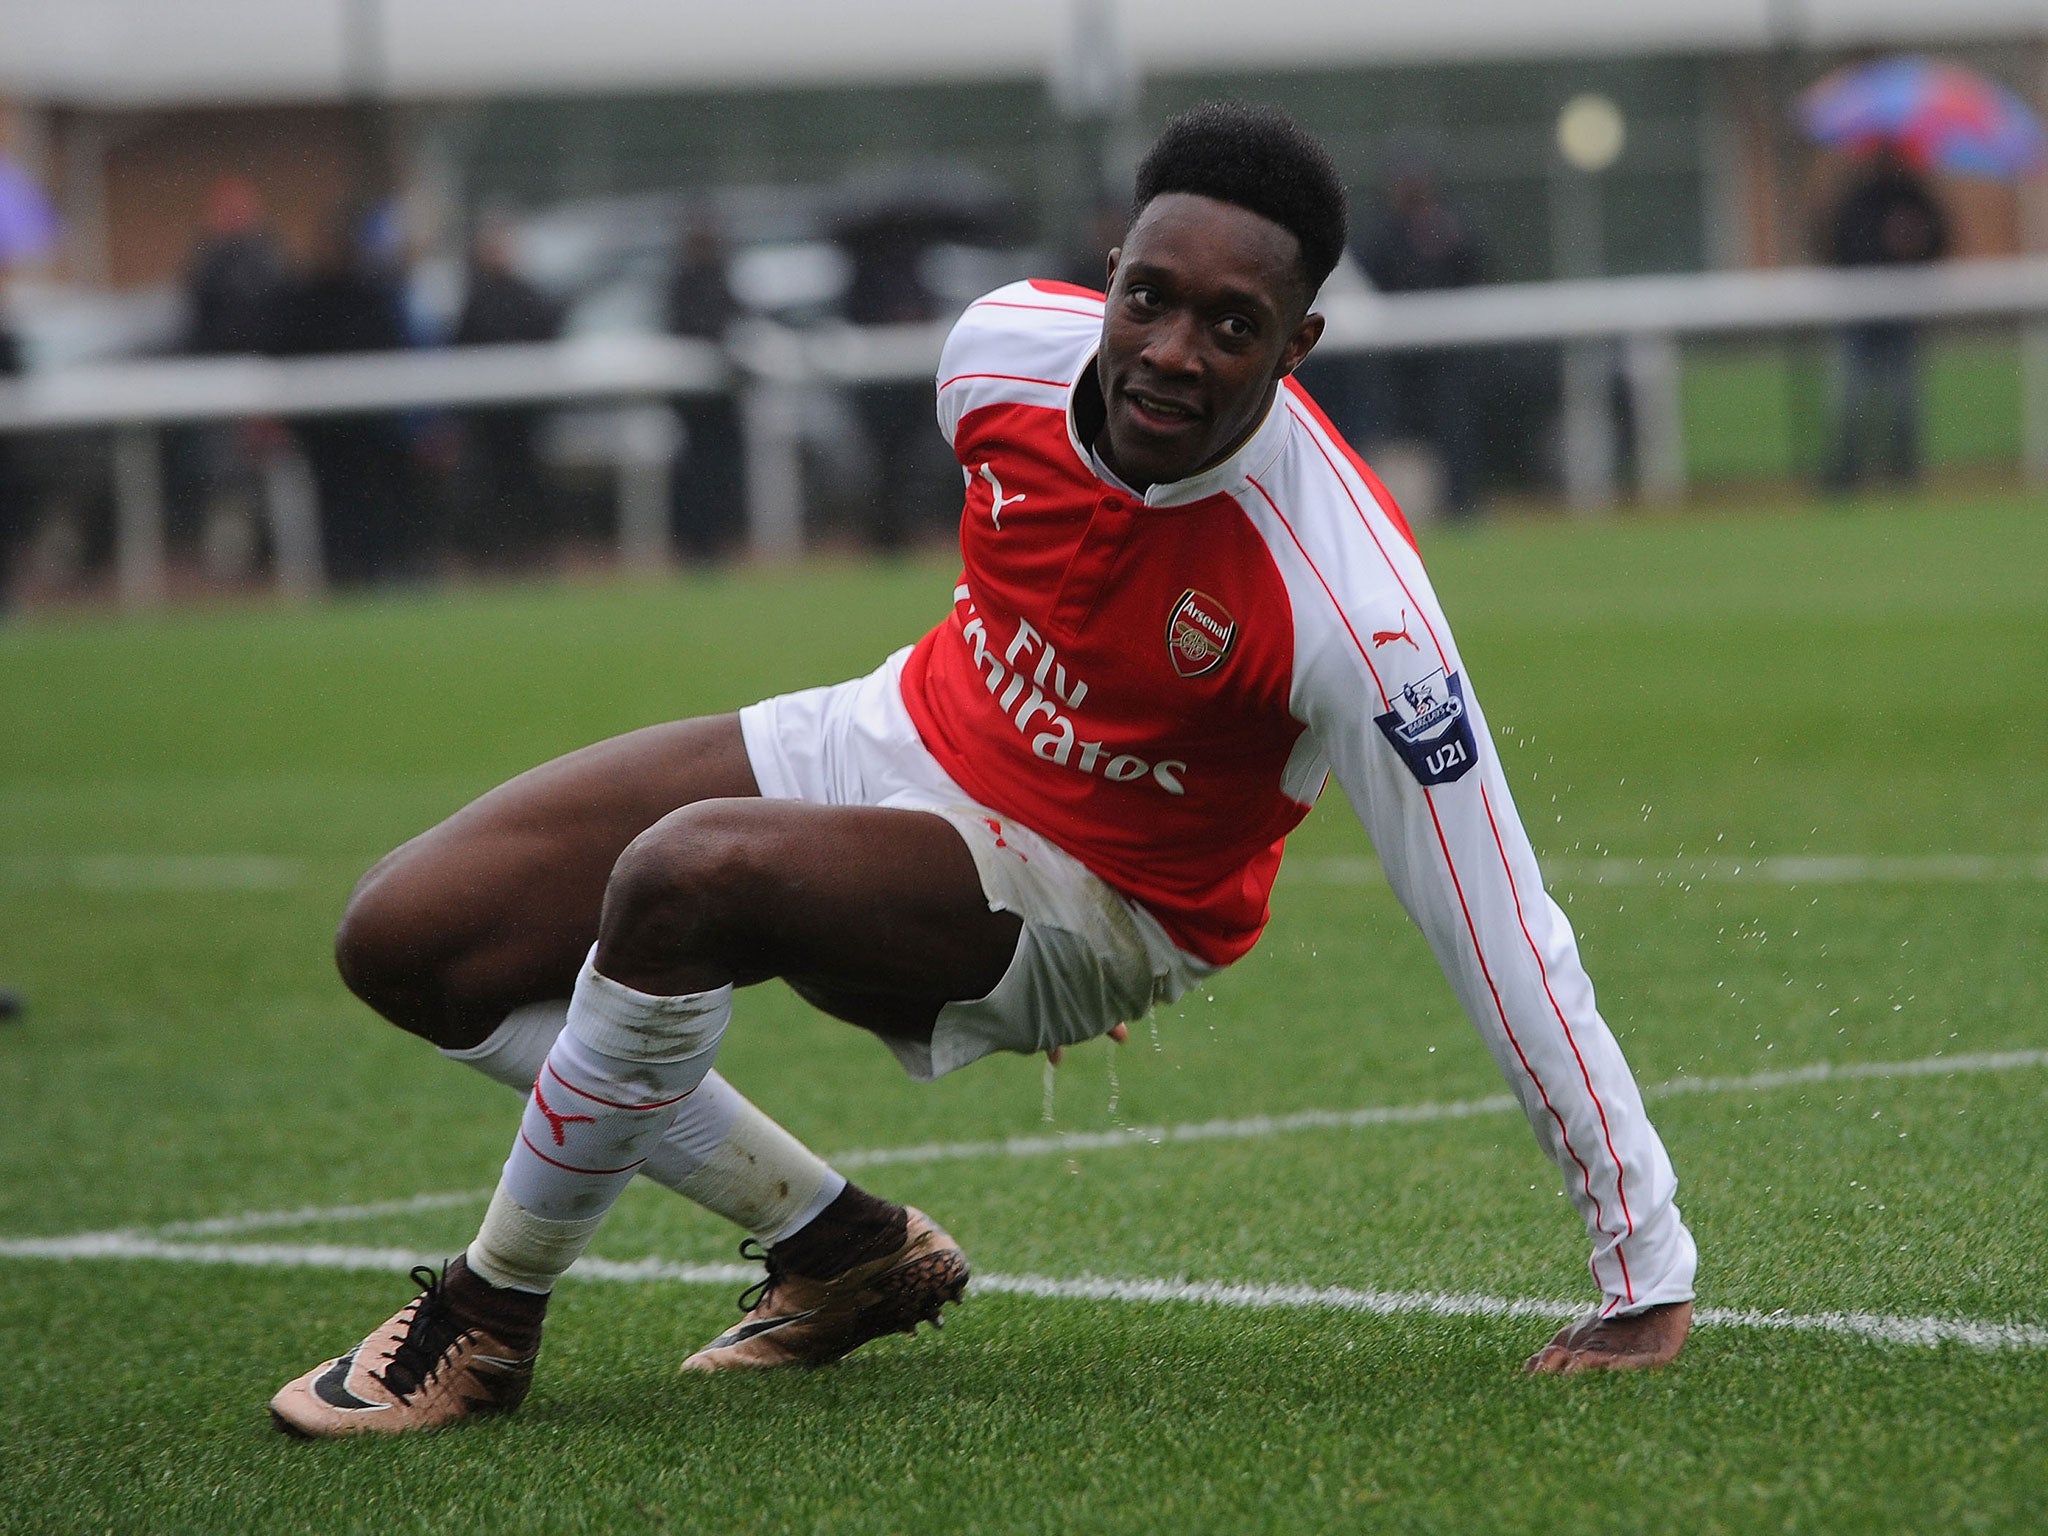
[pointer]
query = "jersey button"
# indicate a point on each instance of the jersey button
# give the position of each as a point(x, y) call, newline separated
point(1110, 504)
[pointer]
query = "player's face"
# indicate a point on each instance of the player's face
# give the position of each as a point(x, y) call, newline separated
point(1205, 317)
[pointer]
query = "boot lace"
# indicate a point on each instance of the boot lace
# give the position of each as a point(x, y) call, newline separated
point(430, 1333)
point(763, 1288)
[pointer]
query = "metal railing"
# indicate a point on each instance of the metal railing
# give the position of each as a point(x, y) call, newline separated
point(770, 366)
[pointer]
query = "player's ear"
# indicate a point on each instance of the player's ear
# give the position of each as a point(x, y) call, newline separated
point(1109, 274)
point(1301, 343)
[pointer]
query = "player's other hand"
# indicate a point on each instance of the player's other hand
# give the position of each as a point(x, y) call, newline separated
point(1649, 1338)
point(1117, 1032)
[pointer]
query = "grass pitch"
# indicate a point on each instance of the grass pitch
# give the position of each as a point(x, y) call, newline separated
point(1789, 775)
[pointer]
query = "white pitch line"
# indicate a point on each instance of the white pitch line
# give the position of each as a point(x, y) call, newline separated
point(1888, 1329)
point(1850, 1071)
point(1878, 1327)
point(1259, 1126)
point(143, 1245)
point(1875, 1327)
point(307, 1215)
point(1816, 869)
point(1252, 1128)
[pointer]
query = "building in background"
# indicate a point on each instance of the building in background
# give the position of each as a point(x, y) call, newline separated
point(1583, 138)
point(131, 111)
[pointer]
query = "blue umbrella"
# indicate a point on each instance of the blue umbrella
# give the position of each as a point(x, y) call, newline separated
point(28, 224)
point(1940, 115)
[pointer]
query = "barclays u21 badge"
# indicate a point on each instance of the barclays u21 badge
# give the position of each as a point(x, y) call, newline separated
point(1431, 728)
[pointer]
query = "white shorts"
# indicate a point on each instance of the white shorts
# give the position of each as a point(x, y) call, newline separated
point(1087, 960)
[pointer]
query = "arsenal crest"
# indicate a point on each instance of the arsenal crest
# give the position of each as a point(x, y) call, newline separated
point(1199, 634)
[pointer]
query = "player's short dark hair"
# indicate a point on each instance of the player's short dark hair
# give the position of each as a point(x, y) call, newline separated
point(1260, 159)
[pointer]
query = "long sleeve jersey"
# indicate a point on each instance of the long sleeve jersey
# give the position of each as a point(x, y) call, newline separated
point(1163, 683)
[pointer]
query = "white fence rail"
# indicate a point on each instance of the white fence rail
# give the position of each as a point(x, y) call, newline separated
point(1642, 318)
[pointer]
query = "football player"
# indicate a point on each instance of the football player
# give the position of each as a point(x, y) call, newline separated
point(1184, 605)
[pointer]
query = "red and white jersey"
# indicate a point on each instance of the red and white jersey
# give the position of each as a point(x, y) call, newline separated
point(1162, 683)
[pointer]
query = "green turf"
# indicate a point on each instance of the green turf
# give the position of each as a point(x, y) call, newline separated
point(1759, 412)
point(1850, 683)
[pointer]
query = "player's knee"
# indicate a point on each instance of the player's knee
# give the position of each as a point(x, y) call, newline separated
point(688, 883)
point(381, 946)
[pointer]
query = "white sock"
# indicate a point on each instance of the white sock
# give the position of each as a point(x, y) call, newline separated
point(605, 1095)
point(720, 1151)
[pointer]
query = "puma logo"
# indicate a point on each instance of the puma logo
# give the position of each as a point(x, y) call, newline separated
point(1000, 501)
point(555, 1121)
point(1389, 636)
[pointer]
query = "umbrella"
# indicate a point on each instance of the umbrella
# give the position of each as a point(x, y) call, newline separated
point(28, 224)
point(1941, 115)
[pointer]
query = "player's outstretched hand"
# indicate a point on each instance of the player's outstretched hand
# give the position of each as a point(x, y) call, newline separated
point(1118, 1032)
point(1649, 1338)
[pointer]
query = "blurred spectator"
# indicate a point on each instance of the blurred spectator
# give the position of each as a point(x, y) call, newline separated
point(362, 469)
point(28, 229)
point(709, 511)
point(232, 285)
point(1087, 262)
point(503, 507)
point(1888, 216)
point(13, 486)
point(914, 480)
point(1422, 240)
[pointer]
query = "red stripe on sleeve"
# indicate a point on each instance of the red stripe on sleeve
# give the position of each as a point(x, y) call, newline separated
point(1620, 1174)
point(1014, 378)
point(1380, 493)
point(1071, 290)
point(1471, 928)
point(1458, 887)
point(1342, 617)
point(1373, 534)
point(1043, 309)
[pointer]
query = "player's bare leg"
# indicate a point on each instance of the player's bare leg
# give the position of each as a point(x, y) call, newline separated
point(879, 914)
point(876, 916)
point(496, 907)
point(471, 936)
point(1640, 1341)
